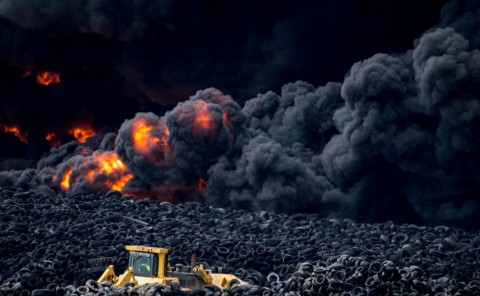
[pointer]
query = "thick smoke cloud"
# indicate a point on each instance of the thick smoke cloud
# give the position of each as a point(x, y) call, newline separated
point(293, 117)
point(267, 176)
point(417, 115)
point(447, 72)
point(278, 168)
point(116, 58)
point(177, 149)
point(397, 139)
point(202, 129)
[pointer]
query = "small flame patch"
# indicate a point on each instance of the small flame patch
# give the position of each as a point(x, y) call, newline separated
point(47, 78)
point(81, 134)
point(52, 139)
point(15, 130)
point(65, 183)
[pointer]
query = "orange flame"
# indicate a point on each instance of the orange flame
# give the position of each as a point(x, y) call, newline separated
point(141, 135)
point(15, 130)
point(81, 134)
point(120, 183)
point(144, 139)
point(101, 168)
point(201, 184)
point(65, 183)
point(90, 174)
point(46, 78)
point(52, 139)
point(110, 163)
point(203, 120)
point(50, 136)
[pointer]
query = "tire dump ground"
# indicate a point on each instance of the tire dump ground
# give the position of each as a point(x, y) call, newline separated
point(54, 245)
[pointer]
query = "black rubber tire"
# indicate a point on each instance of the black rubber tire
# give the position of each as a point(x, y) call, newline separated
point(273, 277)
point(24, 292)
point(83, 290)
point(211, 288)
point(43, 292)
point(175, 287)
point(232, 283)
point(93, 285)
point(236, 289)
point(60, 291)
point(197, 292)
point(156, 291)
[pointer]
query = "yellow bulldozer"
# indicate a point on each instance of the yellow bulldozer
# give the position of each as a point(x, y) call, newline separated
point(150, 265)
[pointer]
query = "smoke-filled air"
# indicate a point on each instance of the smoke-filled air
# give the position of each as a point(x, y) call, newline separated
point(397, 138)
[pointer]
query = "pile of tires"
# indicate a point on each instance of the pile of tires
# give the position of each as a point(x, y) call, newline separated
point(55, 244)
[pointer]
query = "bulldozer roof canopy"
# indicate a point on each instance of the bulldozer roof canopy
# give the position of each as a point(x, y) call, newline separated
point(147, 249)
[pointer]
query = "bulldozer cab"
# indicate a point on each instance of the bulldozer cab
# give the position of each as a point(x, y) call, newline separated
point(147, 261)
point(144, 264)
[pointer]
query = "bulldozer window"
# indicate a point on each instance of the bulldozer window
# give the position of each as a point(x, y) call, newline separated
point(142, 263)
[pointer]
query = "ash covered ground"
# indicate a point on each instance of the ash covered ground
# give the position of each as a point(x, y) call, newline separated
point(53, 242)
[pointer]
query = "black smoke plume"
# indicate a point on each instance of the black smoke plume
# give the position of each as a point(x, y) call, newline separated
point(116, 58)
point(397, 139)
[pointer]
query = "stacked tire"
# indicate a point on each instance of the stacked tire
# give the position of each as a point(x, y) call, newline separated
point(56, 244)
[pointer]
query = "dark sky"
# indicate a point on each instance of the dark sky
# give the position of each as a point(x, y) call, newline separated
point(367, 110)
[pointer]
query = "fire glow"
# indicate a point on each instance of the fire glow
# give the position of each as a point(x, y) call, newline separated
point(201, 184)
point(142, 137)
point(65, 183)
point(43, 77)
point(52, 139)
point(81, 134)
point(108, 163)
point(15, 130)
point(102, 169)
point(144, 146)
point(145, 137)
point(47, 78)
point(203, 120)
